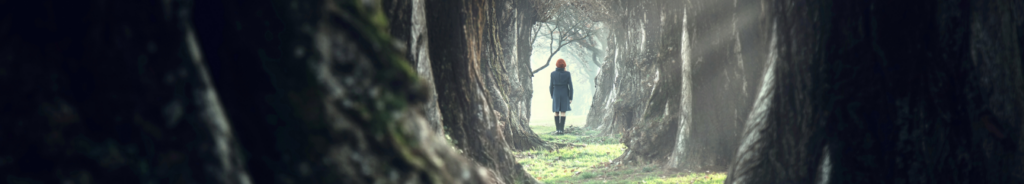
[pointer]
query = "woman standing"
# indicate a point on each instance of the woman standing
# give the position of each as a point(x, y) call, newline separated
point(561, 94)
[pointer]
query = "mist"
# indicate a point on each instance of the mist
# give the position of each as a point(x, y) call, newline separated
point(459, 91)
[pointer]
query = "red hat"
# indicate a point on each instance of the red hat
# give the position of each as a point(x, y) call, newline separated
point(560, 63)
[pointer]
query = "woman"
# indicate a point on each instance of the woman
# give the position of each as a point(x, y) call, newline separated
point(561, 94)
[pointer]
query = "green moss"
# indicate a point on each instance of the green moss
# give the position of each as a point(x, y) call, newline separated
point(398, 79)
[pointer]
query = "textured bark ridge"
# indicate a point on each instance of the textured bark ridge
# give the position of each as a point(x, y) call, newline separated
point(252, 92)
point(651, 119)
point(508, 57)
point(725, 63)
point(680, 80)
point(520, 87)
point(482, 86)
point(408, 25)
point(621, 89)
point(889, 92)
point(508, 77)
point(512, 76)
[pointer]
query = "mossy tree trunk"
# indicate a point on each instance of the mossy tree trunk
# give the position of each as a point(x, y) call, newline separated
point(214, 92)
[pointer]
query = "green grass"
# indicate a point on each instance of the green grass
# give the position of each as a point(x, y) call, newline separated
point(637, 174)
point(589, 162)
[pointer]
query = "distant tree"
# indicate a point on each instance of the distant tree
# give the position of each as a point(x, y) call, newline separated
point(569, 24)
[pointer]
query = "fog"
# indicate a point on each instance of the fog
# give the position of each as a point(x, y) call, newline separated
point(439, 91)
point(579, 62)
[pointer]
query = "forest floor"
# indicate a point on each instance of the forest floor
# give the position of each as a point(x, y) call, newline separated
point(584, 156)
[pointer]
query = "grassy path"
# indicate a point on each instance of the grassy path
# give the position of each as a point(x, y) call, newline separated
point(587, 161)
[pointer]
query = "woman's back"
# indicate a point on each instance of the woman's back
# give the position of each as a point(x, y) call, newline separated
point(561, 94)
point(560, 77)
point(561, 90)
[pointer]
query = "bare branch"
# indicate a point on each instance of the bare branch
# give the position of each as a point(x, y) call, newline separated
point(536, 31)
point(570, 23)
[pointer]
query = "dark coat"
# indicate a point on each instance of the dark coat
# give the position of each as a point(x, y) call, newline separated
point(561, 90)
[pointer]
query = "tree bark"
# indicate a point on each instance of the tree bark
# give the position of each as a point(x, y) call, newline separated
point(408, 24)
point(656, 115)
point(514, 85)
point(268, 91)
point(725, 63)
point(481, 94)
point(520, 87)
point(115, 93)
point(701, 75)
point(620, 91)
point(888, 92)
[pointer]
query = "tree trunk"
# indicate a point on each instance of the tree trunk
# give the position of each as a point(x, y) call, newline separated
point(507, 75)
point(657, 114)
point(696, 90)
point(725, 66)
point(889, 92)
point(620, 92)
point(115, 93)
point(408, 24)
point(119, 92)
point(520, 87)
point(482, 95)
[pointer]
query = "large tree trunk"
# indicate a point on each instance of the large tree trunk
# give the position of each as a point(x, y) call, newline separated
point(725, 64)
point(115, 93)
point(521, 86)
point(889, 92)
point(697, 87)
point(119, 92)
point(510, 85)
point(656, 113)
point(482, 96)
point(408, 24)
point(508, 81)
point(621, 93)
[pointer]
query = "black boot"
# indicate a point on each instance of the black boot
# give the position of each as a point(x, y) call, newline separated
point(561, 127)
point(558, 126)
